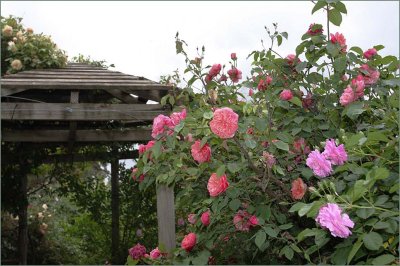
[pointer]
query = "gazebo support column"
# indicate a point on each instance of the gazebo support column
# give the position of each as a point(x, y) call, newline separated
point(23, 216)
point(114, 211)
point(166, 217)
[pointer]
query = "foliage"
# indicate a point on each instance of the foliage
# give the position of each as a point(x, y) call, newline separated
point(88, 60)
point(22, 49)
point(366, 186)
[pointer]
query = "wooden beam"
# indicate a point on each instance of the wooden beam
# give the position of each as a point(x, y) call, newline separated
point(114, 211)
point(166, 217)
point(80, 111)
point(50, 76)
point(7, 92)
point(56, 81)
point(72, 125)
point(123, 96)
point(46, 136)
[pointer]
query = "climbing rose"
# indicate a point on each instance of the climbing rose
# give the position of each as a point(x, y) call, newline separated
point(243, 221)
point(202, 154)
point(372, 77)
point(143, 148)
point(208, 78)
point(217, 185)
point(251, 92)
point(347, 96)
point(235, 74)
point(233, 56)
point(315, 29)
point(224, 123)
point(205, 218)
point(137, 252)
point(133, 174)
point(223, 78)
point(337, 155)
point(189, 137)
point(29, 30)
point(7, 30)
point(262, 85)
point(16, 64)
point(159, 124)
point(192, 218)
point(298, 188)
point(320, 166)
point(155, 253)
point(300, 147)
point(358, 84)
point(330, 216)
point(177, 117)
point(188, 242)
point(292, 59)
point(214, 71)
point(339, 39)
point(286, 95)
point(370, 53)
point(269, 159)
point(181, 222)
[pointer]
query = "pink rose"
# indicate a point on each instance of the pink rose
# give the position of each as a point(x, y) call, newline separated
point(143, 148)
point(298, 189)
point(319, 164)
point(243, 221)
point(189, 137)
point(330, 216)
point(208, 78)
point(192, 218)
point(223, 78)
point(336, 154)
point(137, 252)
point(233, 56)
point(235, 74)
point(338, 38)
point(286, 95)
point(155, 254)
point(214, 71)
point(251, 92)
point(188, 242)
point(347, 96)
point(160, 123)
point(133, 175)
point(176, 118)
point(292, 59)
point(205, 218)
point(315, 29)
point(358, 84)
point(224, 123)
point(262, 85)
point(217, 185)
point(269, 159)
point(372, 76)
point(253, 220)
point(202, 154)
point(370, 53)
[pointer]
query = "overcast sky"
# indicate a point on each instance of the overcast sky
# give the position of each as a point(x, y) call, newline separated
point(138, 37)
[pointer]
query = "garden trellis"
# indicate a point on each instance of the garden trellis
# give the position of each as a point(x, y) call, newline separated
point(80, 105)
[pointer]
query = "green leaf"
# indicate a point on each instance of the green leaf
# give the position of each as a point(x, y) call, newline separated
point(377, 136)
point(318, 6)
point(208, 114)
point(179, 127)
point(379, 47)
point(301, 66)
point(250, 143)
point(297, 206)
point(202, 258)
point(220, 170)
point(296, 101)
point(335, 17)
point(358, 190)
point(373, 241)
point(365, 213)
point(130, 261)
point(340, 64)
point(261, 124)
point(354, 110)
point(383, 259)
point(260, 238)
point(354, 249)
point(279, 39)
point(288, 252)
point(285, 35)
point(281, 145)
point(271, 232)
point(391, 82)
point(378, 173)
point(156, 149)
point(332, 49)
point(233, 167)
point(234, 204)
point(305, 233)
point(341, 7)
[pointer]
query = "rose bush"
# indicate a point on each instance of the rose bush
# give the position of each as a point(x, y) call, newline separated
point(304, 169)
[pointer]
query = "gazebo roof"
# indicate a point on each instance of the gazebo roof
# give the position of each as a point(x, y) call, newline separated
point(80, 103)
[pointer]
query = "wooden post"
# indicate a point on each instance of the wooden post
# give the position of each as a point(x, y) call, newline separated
point(166, 217)
point(114, 211)
point(23, 215)
point(72, 125)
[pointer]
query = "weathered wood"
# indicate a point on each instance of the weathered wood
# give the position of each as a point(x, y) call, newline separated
point(166, 217)
point(82, 81)
point(7, 92)
point(114, 211)
point(50, 73)
point(79, 111)
point(131, 135)
point(72, 124)
point(50, 76)
point(123, 96)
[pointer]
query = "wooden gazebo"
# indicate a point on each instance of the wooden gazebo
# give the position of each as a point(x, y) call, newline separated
point(80, 105)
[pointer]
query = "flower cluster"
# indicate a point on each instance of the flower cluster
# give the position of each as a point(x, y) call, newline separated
point(339, 39)
point(163, 123)
point(243, 221)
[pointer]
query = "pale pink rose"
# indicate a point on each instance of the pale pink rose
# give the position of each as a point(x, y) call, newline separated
point(181, 222)
point(269, 159)
point(189, 137)
point(373, 75)
point(235, 74)
point(217, 185)
point(137, 252)
point(298, 189)
point(336, 154)
point(358, 84)
point(300, 146)
point(264, 83)
point(224, 123)
point(7, 30)
point(339, 39)
point(134, 177)
point(205, 218)
point(319, 164)
point(286, 95)
point(16, 64)
point(143, 148)
point(214, 71)
point(251, 92)
point(155, 254)
point(233, 56)
point(330, 216)
point(29, 30)
point(202, 154)
point(315, 29)
point(223, 78)
point(348, 96)
point(176, 118)
point(192, 218)
point(208, 78)
point(160, 124)
point(370, 53)
point(292, 59)
point(243, 221)
point(344, 78)
point(188, 242)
